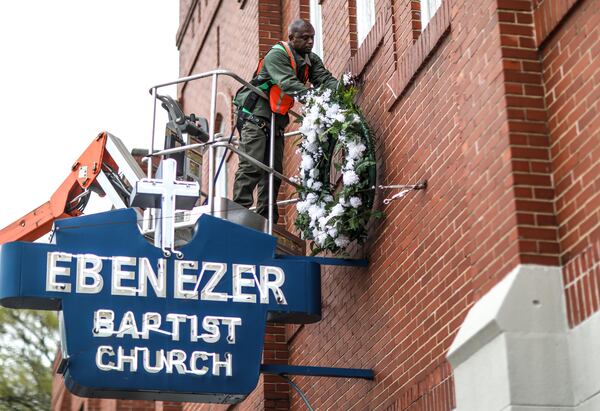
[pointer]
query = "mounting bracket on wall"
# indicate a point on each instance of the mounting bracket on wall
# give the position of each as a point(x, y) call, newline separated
point(284, 370)
point(404, 189)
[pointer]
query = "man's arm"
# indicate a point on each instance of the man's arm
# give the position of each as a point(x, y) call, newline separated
point(279, 68)
point(319, 75)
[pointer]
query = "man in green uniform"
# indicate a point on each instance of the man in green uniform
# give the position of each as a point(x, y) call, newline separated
point(277, 70)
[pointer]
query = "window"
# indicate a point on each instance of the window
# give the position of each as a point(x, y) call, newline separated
point(365, 18)
point(428, 9)
point(316, 20)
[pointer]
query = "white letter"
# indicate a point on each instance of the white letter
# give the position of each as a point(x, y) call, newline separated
point(266, 285)
point(231, 322)
point(160, 361)
point(176, 319)
point(176, 358)
point(181, 278)
point(203, 355)
point(128, 326)
point(218, 364)
point(207, 291)
point(158, 282)
point(150, 322)
point(84, 273)
point(193, 327)
point(131, 359)
point(239, 282)
point(52, 270)
point(104, 349)
point(118, 274)
point(211, 324)
point(104, 325)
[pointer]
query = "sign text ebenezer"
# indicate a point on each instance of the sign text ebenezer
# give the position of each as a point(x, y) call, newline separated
point(130, 276)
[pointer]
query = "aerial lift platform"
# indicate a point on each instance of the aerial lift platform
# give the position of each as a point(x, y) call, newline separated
point(107, 168)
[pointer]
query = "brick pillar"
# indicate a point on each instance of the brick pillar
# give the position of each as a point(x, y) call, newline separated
point(269, 25)
point(528, 133)
point(276, 390)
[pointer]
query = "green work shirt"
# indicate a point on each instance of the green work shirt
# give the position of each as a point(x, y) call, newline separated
point(278, 70)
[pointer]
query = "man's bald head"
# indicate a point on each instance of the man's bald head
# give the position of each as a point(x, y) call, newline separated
point(301, 34)
point(297, 25)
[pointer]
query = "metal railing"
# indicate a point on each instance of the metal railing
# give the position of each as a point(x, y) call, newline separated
point(215, 141)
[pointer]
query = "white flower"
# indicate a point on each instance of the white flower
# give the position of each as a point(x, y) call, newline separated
point(356, 118)
point(317, 185)
point(355, 202)
point(350, 178)
point(328, 198)
point(336, 211)
point(332, 111)
point(315, 212)
point(349, 165)
point(314, 173)
point(311, 135)
point(307, 163)
point(355, 150)
point(312, 198)
point(302, 206)
point(311, 146)
point(340, 117)
point(321, 238)
point(323, 221)
point(342, 241)
point(342, 201)
point(347, 79)
point(333, 232)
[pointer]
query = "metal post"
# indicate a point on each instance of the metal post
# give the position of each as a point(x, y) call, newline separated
point(153, 128)
point(271, 176)
point(211, 148)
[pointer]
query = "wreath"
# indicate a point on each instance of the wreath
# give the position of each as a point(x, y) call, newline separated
point(335, 214)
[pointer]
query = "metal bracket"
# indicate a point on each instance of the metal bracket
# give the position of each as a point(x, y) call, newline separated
point(280, 369)
point(404, 189)
point(348, 262)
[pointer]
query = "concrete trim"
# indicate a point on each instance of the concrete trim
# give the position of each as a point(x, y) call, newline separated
point(514, 351)
point(525, 300)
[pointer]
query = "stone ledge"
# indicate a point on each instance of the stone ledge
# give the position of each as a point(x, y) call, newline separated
point(515, 352)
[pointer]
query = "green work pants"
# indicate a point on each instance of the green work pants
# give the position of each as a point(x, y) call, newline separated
point(255, 143)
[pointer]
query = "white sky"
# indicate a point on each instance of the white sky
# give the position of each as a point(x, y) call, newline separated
point(70, 69)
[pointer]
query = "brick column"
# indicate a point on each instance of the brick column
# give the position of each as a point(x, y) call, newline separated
point(269, 25)
point(528, 134)
point(276, 390)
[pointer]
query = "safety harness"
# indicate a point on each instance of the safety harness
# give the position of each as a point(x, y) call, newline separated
point(280, 102)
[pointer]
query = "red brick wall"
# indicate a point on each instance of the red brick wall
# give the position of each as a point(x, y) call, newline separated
point(571, 72)
point(399, 316)
point(497, 106)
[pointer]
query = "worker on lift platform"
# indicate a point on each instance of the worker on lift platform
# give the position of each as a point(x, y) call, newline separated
point(282, 75)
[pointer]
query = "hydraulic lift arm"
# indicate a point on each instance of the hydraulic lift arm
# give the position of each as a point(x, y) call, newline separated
point(104, 167)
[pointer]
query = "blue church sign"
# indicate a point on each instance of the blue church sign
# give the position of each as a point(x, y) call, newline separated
point(140, 325)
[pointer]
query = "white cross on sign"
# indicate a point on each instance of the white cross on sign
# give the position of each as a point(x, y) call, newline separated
point(167, 195)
